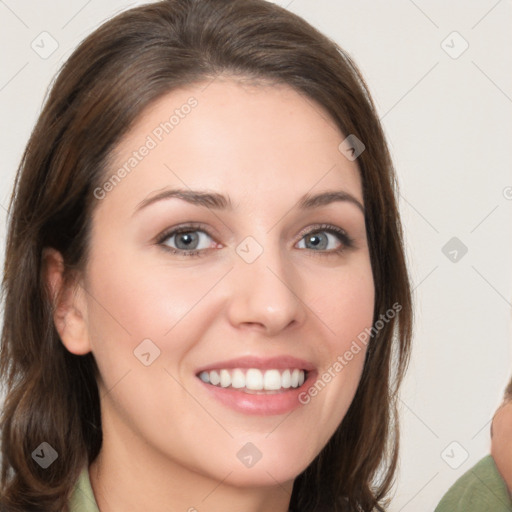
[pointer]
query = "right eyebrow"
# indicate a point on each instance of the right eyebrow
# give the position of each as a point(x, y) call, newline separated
point(207, 199)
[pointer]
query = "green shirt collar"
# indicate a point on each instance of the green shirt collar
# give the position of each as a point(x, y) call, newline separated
point(82, 499)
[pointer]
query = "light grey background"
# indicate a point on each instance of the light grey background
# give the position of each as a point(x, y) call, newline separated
point(448, 119)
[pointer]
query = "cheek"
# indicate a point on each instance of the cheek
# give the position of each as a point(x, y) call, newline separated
point(141, 299)
point(135, 300)
point(344, 303)
point(345, 308)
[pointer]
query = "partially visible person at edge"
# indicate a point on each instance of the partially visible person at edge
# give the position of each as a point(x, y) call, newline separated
point(206, 297)
point(487, 486)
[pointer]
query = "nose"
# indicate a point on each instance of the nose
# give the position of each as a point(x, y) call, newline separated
point(265, 294)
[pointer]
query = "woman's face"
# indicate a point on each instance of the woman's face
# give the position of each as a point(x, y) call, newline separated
point(260, 272)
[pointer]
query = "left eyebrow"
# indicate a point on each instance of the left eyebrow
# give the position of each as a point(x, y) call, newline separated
point(324, 198)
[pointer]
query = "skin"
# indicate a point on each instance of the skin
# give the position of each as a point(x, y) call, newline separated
point(501, 444)
point(264, 147)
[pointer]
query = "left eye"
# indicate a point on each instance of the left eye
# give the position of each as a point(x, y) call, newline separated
point(189, 240)
point(320, 240)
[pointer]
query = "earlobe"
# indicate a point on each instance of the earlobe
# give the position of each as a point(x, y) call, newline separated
point(68, 304)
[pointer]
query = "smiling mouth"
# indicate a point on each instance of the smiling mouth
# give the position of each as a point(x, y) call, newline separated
point(254, 380)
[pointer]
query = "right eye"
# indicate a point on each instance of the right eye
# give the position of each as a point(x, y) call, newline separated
point(187, 240)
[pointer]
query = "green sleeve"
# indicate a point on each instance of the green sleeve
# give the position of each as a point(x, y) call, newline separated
point(480, 489)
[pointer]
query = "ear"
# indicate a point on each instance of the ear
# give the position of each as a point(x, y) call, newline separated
point(69, 304)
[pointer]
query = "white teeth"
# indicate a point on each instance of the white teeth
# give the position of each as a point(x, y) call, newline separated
point(225, 379)
point(214, 378)
point(238, 379)
point(272, 380)
point(286, 381)
point(254, 379)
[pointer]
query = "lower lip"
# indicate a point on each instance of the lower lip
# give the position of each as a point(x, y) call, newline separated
point(260, 404)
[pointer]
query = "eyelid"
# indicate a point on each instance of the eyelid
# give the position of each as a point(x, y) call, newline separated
point(182, 228)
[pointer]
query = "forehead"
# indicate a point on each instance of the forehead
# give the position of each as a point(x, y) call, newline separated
point(247, 141)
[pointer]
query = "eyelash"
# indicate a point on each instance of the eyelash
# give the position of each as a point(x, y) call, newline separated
point(346, 241)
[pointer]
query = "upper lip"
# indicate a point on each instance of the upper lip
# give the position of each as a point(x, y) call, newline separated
point(263, 363)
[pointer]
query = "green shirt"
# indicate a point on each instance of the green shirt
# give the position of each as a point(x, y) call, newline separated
point(480, 489)
point(82, 499)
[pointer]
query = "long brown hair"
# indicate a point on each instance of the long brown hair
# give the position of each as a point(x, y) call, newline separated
point(111, 78)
